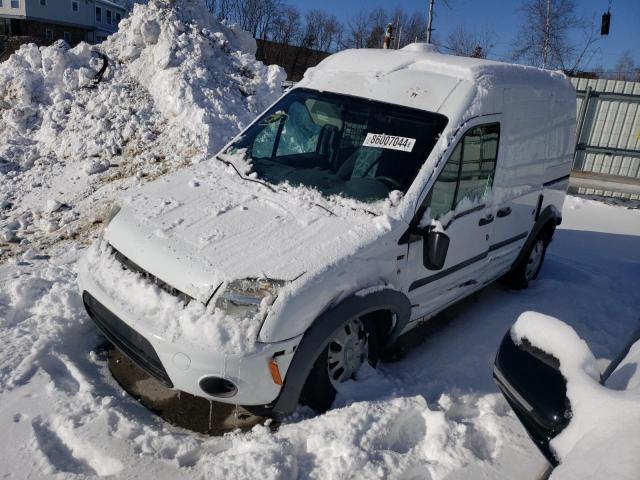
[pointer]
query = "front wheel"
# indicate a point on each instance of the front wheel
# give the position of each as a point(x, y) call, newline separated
point(343, 356)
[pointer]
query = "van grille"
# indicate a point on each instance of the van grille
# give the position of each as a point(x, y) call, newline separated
point(127, 264)
point(126, 339)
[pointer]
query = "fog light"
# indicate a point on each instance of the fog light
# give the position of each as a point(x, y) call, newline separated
point(218, 387)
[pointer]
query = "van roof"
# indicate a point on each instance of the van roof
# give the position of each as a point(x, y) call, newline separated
point(419, 77)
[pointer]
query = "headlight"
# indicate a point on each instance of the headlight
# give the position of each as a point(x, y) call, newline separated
point(248, 297)
point(114, 211)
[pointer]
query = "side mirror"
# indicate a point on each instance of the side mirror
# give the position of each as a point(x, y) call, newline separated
point(434, 249)
point(531, 381)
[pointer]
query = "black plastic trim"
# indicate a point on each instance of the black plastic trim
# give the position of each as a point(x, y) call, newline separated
point(218, 387)
point(133, 267)
point(432, 278)
point(539, 206)
point(556, 180)
point(506, 242)
point(126, 339)
point(546, 215)
point(318, 335)
point(465, 213)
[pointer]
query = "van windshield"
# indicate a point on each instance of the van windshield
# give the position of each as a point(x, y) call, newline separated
point(340, 145)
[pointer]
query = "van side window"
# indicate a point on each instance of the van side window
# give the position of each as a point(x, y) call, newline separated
point(468, 174)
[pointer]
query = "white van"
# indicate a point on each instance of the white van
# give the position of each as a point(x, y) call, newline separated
point(384, 187)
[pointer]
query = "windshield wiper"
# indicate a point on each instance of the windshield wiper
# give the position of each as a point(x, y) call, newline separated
point(364, 210)
point(326, 209)
point(229, 164)
point(264, 184)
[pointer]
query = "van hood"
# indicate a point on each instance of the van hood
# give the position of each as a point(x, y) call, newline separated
point(204, 225)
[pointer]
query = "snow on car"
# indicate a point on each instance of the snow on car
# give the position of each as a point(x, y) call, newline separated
point(325, 194)
point(572, 410)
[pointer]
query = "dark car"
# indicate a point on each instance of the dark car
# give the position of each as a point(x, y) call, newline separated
point(536, 386)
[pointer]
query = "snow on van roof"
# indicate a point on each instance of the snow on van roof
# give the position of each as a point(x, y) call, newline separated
point(419, 77)
point(421, 57)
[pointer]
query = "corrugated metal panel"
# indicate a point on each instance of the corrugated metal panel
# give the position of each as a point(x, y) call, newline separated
point(608, 86)
point(610, 138)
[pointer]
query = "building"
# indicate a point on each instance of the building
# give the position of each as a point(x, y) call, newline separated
point(107, 16)
point(45, 21)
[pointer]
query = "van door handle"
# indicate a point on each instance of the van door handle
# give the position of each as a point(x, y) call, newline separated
point(503, 212)
point(486, 220)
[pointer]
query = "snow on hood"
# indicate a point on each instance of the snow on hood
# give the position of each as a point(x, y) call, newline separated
point(205, 224)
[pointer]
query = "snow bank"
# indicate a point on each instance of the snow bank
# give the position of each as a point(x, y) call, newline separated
point(177, 87)
point(604, 421)
point(202, 76)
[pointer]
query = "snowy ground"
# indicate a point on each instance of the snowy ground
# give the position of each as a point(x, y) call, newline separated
point(434, 413)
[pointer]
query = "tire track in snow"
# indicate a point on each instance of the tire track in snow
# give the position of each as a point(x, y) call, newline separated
point(68, 453)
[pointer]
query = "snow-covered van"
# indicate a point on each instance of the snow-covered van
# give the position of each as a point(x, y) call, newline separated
point(382, 188)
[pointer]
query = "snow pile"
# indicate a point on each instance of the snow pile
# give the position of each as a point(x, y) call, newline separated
point(604, 422)
point(202, 76)
point(177, 87)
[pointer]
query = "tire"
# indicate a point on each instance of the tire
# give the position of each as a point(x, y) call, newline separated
point(528, 268)
point(352, 344)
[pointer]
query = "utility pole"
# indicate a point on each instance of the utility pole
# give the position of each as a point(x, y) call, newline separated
point(545, 48)
point(429, 28)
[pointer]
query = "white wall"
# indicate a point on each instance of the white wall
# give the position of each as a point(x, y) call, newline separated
point(14, 12)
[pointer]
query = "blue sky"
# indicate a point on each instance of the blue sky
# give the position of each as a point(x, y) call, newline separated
point(502, 17)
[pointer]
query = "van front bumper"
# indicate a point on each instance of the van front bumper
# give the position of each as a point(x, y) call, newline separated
point(184, 366)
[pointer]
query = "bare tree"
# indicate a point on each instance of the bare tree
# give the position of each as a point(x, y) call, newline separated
point(255, 16)
point(625, 68)
point(224, 9)
point(266, 18)
point(467, 43)
point(414, 29)
point(356, 30)
point(211, 5)
point(544, 37)
point(376, 25)
point(287, 26)
point(323, 30)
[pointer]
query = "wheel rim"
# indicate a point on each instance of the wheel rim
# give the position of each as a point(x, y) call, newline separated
point(347, 352)
point(534, 260)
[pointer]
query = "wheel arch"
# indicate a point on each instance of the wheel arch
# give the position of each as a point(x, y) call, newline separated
point(392, 302)
point(547, 221)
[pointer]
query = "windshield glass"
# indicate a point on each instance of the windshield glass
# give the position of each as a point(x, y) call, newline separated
point(340, 145)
